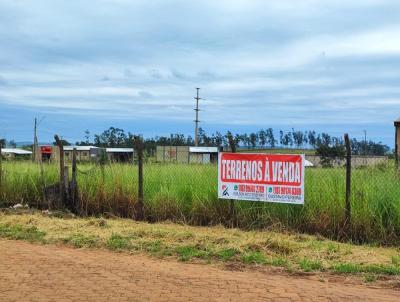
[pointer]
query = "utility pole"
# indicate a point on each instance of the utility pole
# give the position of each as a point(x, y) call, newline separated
point(365, 142)
point(34, 148)
point(365, 147)
point(196, 130)
point(35, 140)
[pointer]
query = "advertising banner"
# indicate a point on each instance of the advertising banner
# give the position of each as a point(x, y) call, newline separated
point(261, 177)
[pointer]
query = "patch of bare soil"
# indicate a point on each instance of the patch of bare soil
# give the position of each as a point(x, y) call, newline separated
point(31, 272)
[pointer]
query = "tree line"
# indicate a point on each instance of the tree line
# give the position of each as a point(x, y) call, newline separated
point(264, 138)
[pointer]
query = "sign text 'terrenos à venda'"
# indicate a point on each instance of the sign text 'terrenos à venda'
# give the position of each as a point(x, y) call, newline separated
point(262, 177)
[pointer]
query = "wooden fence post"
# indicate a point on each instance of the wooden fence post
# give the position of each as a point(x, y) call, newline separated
point(139, 149)
point(232, 202)
point(396, 148)
point(74, 184)
point(348, 182)
point(63, 171)
point(1, 172)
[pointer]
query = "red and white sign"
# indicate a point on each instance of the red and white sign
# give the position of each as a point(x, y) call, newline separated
point(261, 177)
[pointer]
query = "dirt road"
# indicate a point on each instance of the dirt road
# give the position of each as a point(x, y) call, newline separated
point(51, 273)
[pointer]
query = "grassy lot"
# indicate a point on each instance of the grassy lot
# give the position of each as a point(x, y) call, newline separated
point(188, 194)
point(293, 252)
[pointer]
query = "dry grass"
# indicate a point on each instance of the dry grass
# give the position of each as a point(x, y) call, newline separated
point(294, 252)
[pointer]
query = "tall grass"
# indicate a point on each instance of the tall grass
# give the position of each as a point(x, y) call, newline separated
point(188, 193)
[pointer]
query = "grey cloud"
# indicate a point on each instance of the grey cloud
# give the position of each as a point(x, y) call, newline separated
point(257, 62)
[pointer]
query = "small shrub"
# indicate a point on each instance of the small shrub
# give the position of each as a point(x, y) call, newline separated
point(254, 257)
point(185, 253)
point(118, 242)
point(396, 260)
point(349, 268)
point(282, 262)
point(308, 265)
point(227, 254)
point(80, 240)
point(19, 232)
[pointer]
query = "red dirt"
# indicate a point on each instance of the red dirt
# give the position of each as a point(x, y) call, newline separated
point(31, 272)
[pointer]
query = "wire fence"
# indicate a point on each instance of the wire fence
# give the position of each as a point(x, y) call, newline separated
point(182, 186)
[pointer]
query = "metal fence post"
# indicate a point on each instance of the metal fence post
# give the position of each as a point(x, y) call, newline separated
point(139, 213)
point(232, 202)
point(348, 182)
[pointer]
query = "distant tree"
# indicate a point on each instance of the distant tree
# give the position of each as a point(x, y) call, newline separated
point(298, 138)
point(253, 139)
point(368, 148)
point(326, 139)
point(3, 142)
point(85, 142)
point(262, 137)
point(12, 144)
point(281, 138)
point(219, 139)
point(189, 141)
point(238, 138)
point(318, 140)
point(312, 139)
point(305, 139)
point(270, 137)
point(177, 139)
point(113, 137)
point(246, 140)
point(87, 137)
point(287, 139)
point(329, 153)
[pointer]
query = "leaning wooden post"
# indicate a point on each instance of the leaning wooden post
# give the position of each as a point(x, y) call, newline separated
point(348, 182)
point(232, 202)
point(139, 149)
point(63, 184)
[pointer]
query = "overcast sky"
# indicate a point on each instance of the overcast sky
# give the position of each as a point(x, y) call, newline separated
point(327, 65)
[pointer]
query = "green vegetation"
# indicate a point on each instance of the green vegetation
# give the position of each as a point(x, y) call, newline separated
point(292, 252)
point(188, 194)
point(20, 232)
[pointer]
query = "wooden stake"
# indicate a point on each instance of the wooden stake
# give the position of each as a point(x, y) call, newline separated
point(139, 149)
point(63, 184)
point(348, 182)
point(74, 184)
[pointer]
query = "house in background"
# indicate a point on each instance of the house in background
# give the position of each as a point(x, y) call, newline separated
point(52, 153)
point(203, 155)
point(45, 153)
point(15, 153)
point(187, 154)
point(83, 153)
point(120, 154)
